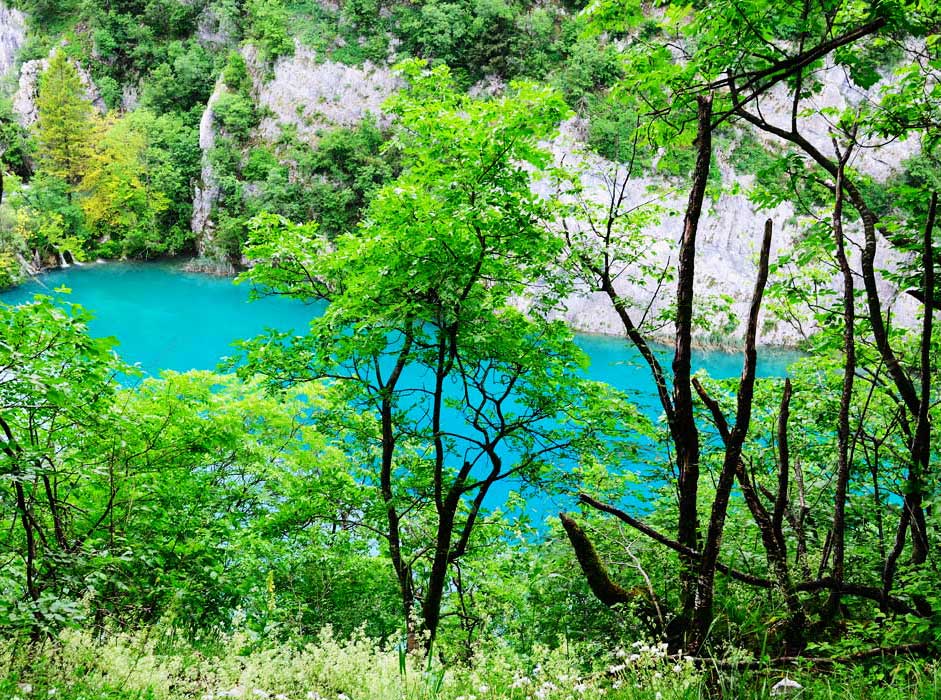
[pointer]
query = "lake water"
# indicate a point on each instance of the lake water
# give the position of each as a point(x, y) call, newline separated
point(165, 318)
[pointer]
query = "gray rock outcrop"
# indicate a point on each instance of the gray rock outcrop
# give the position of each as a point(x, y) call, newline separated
point(24, 100)
point(299, 92)
point(313, 94)
point(731, 229)
point(12, 36)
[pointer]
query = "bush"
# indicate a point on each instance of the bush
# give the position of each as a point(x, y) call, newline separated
point(266, 25)
point(235, 114)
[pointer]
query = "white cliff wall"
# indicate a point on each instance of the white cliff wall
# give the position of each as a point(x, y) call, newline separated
point(299, 91)
point(12, 36)
point(731, 229)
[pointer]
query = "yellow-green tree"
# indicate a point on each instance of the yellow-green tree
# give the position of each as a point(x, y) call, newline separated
point(65, 127)
point(120, 203)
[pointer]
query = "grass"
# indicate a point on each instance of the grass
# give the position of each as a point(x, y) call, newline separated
point(156, 665)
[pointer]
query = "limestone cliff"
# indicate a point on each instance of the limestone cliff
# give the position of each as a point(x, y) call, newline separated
point(12, 36)
point(731, 228)
point(299, 91)
point(24, 100)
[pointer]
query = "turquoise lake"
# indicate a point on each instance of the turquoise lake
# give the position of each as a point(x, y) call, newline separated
point(165, 318)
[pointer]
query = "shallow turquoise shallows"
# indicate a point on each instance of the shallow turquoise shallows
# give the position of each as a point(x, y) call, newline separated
point(165, 318)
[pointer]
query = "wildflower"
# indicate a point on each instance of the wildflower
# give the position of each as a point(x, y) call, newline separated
point(311, 695)
point(281, 696)
point(580, 688)
point(25, 688)
point(236, 692)
point(259, 693)
point(658, 675)
point(658, 696)
point(520, 681)
point(343, 696)
point(484, 689)
point(678, 668)
point(785, 686)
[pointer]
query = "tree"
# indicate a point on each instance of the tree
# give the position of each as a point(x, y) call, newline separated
point(120, 204)
point(65, 126)
point(455, 391)
point(125, 504)
point(734, 77)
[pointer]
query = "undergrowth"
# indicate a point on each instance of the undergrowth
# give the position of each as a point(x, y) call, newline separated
point(157, 665)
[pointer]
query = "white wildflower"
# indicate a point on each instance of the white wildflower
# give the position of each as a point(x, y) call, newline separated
point(259, 693)
point(25, 688)
point(281, 696)
point(484, 689)
point(786, 686)
point(343, 696)
point(520, 681)
point(580, 688)
point(678, 668)
point(658, 696)
point(311, 695)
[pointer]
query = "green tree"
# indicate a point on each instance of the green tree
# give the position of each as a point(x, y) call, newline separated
point(455, 390)
point(65, 128)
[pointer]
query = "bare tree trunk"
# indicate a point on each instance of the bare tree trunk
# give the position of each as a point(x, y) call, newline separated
point(685, 433)
point(838, 523)
point(705, 582)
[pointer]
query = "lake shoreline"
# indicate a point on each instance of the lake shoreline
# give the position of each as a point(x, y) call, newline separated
point(226, 269)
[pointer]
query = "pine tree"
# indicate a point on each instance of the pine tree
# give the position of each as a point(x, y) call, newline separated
point(66, 121)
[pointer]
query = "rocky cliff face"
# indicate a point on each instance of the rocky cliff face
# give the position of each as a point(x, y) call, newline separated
point(302, 92)
point(12, 36)
point(311, 95)
point(731, 229)
point(24, 100)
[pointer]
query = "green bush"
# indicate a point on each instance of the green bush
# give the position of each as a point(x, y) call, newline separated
point(235, 114)
point(266, 25)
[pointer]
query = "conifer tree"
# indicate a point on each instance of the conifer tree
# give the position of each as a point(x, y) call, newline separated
point(65, 124)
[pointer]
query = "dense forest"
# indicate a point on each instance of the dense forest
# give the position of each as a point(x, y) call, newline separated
point(347, 511)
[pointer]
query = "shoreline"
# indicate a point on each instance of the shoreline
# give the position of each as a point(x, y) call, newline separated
point(213, 268)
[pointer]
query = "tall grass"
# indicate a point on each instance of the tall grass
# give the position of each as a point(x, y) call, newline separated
point(156, 665)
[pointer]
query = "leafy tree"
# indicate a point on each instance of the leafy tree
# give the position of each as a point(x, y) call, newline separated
point(726, 76)
point(455, 391)
point(118, 205)
point(266, 25)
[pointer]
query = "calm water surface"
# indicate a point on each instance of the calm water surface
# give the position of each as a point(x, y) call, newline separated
point(165, 318)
